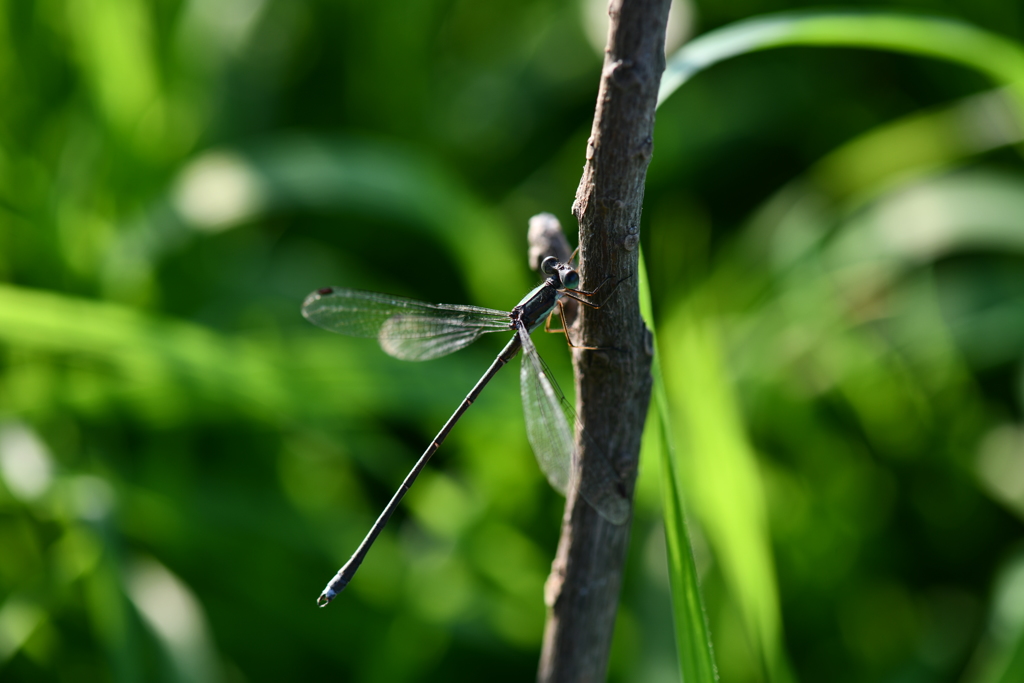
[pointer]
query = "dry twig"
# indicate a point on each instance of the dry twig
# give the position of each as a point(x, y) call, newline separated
point(612, 384)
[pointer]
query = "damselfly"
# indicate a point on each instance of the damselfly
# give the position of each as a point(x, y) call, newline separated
point(413, 330)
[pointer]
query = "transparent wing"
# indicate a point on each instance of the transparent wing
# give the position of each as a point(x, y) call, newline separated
point(548, 431)
point(546, 426)
point(406, 328)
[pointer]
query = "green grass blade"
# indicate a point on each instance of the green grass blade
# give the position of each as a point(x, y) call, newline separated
point(998, 58)
point(1002, 662)
point(931, 140)
point(95, 355)
point(723, 481)
point(693, 640)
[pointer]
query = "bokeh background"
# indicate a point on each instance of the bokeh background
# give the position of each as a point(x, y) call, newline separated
point(835, 247)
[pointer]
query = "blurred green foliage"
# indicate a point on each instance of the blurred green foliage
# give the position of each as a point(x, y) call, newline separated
point(834, 246)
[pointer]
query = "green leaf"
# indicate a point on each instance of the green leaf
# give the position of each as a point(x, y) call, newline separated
point(693, 640)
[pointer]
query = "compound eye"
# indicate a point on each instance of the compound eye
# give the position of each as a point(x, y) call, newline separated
point(570, 278)
point(549, 266)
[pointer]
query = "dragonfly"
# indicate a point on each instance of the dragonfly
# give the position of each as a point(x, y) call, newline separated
point(414, 330)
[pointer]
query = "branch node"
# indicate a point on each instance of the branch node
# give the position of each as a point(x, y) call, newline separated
point(554, 584)
point(632, 238)
point(579, 208)
point(646, 150)
point(623, 75)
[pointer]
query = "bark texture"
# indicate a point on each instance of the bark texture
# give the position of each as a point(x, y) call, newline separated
point(613, 384)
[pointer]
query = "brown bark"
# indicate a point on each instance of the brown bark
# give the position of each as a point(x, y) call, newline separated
point(612, 384)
